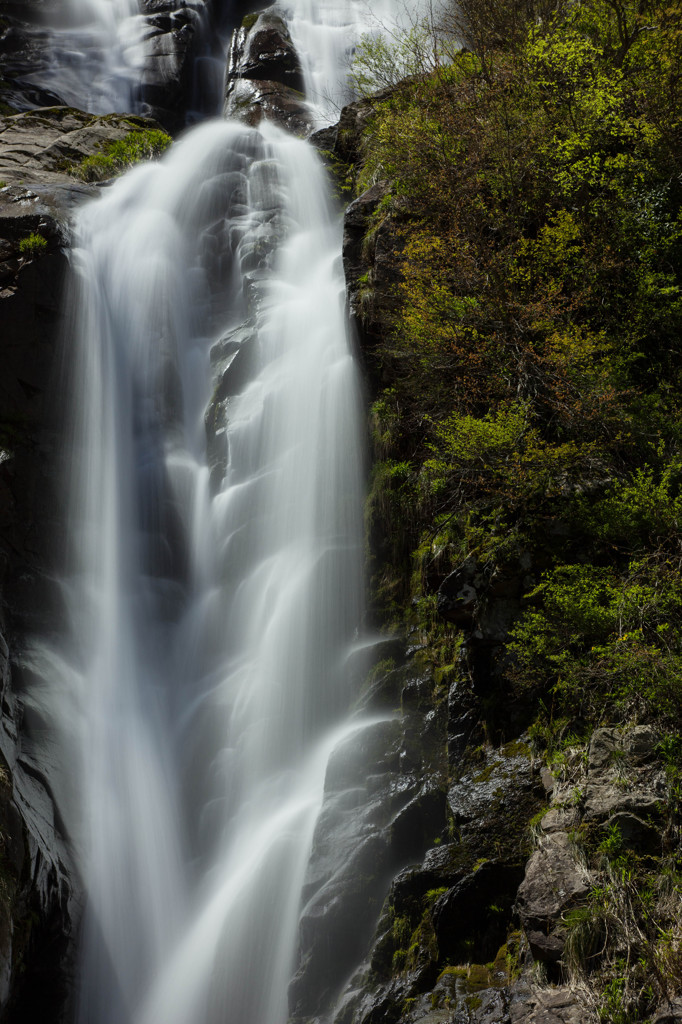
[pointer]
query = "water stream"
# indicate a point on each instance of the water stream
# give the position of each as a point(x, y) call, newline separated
point(203, 682)
point(96, 54)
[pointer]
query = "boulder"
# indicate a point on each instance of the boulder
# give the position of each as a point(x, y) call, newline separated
point(604, 798)
point(554, 881)
point(636, 834)
point(670, 1012)
point(265, 52)
point(264, 77)
point(601, 752)
point(556, 1005)
point(639, 743)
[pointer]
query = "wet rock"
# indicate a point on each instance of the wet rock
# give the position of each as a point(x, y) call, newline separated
point(493, 801)
point(265, 52)
point(24, 58)
point(554, 881)
point(178, 39)
point(464, 715)
point(256, 101)
point(31, 288)
point(264, 77)
point(383, 691)
point(470, 920)
point(45, 903)
point(335, 924)
point(415, 826)
point(181, 54)
point(233, 359)
point(490, 1008)
point(355, 226)
point(374, 818)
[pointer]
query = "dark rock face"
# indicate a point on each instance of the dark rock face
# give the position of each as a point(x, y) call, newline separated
point(384, 806)
point(371, 262)
point(23, 56)
point(265, 53)
point(264, 76)
point(38, 923)
point(180, 54)
point(464, 910)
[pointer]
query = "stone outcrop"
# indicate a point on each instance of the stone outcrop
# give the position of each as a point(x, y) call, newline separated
point(264, 76)
point(44, 146)
point(554, 882)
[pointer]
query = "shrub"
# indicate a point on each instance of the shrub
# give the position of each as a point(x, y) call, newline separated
point(33, 245)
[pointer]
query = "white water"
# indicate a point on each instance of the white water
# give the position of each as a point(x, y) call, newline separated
point(325, 33)
point(97, 54)
point(202, 686)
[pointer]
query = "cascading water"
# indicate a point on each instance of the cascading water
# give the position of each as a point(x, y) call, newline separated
point(97, 52)
point(204, 680)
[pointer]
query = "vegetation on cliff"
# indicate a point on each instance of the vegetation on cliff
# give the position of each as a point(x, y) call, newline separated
point(527, 419)
point(118, 155)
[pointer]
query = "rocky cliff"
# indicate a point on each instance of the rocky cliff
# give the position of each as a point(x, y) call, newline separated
point(486, 853)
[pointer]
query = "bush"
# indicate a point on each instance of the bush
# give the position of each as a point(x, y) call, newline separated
point(33, 245)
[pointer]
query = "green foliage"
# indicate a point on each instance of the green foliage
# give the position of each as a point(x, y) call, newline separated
point(607, 643)
point(117, 156)
point(529, 422)
point(381, 62)
point(533, 374)
point(33, 245)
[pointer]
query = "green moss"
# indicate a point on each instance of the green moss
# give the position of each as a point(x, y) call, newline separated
point(248, 21)
point(453, 972)
point(478, 978)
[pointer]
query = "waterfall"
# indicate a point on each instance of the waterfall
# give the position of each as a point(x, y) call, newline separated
point(96, 54)
point(203, 681)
